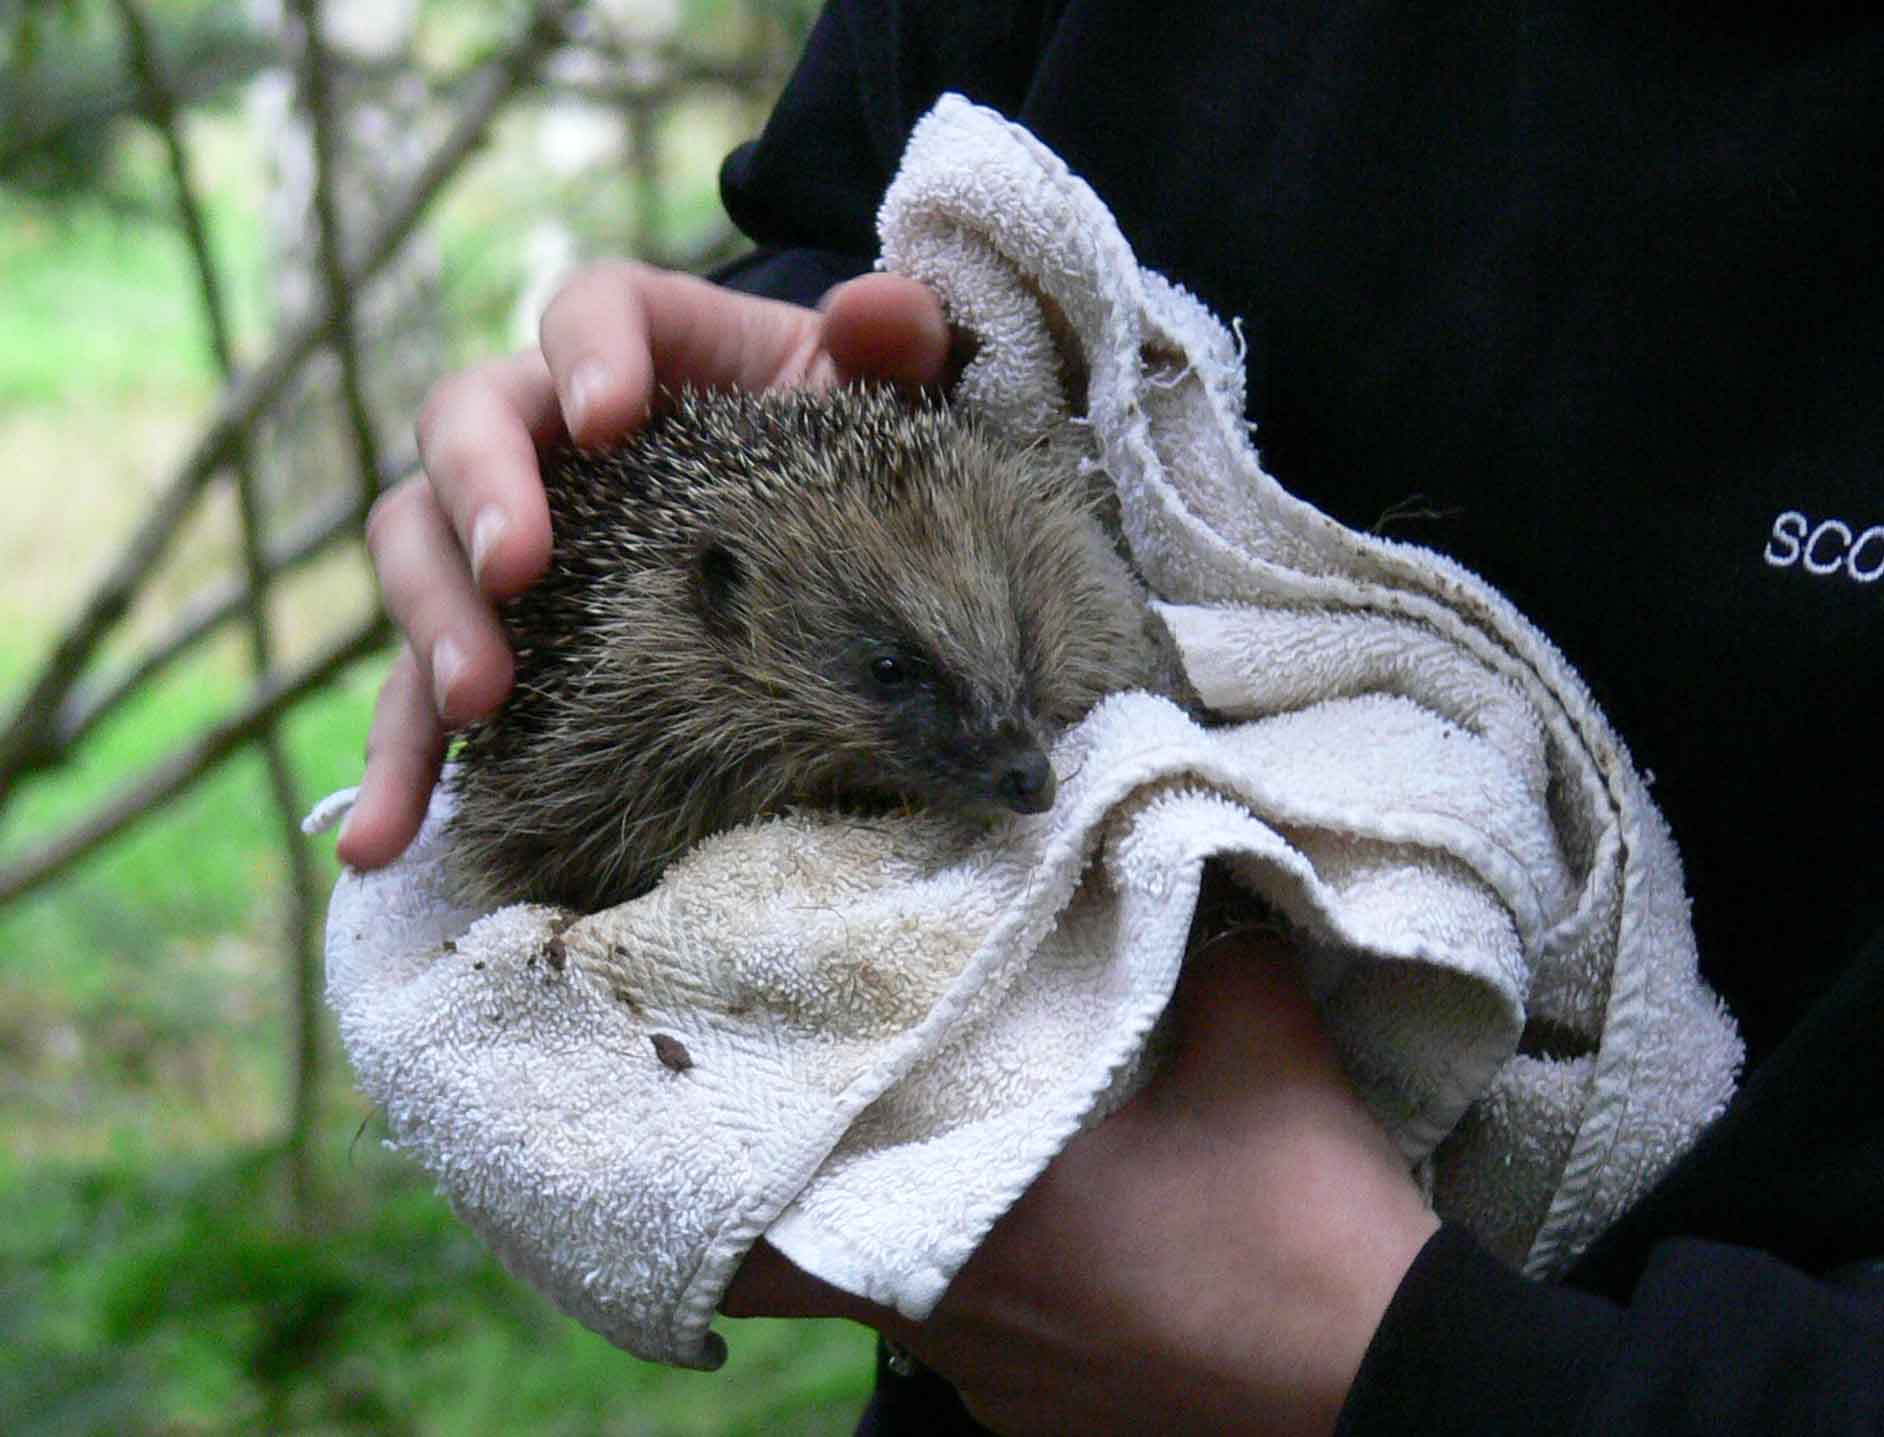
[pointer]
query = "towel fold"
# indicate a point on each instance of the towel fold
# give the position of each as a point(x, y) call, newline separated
point(863, 1041)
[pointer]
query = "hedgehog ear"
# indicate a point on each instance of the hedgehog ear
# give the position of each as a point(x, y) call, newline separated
point(720, 575)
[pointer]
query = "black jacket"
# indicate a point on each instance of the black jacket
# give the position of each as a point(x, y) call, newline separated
point(1598, 289)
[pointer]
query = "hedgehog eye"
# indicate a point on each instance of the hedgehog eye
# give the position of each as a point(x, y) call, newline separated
point(892, 671)
point(719, 575)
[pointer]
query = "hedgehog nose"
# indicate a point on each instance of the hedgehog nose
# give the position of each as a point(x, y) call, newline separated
point(1025, 782)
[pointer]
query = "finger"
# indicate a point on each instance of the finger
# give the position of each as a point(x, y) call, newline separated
point(886, 326)
point(1253, 1051)
point(1243, 1014)
point(617, 330)
point(404, 752)
point(459, 647)
point(478, 434)
point(769, 1284)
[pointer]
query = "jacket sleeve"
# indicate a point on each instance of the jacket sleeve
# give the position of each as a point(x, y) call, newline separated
point(807, 190)
point(1744, 1294)
point(1714, 1339)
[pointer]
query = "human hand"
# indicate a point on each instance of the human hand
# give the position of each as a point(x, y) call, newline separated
point(1214, 1257)
point(473, 529)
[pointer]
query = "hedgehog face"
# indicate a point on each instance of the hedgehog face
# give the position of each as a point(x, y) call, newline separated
point(879, 690)
point(938, 742)
point(901, 610)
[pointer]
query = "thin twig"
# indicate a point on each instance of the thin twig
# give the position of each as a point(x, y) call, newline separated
point(645, 163)
point(312, 74)
point(90, 704)
point(317, 95)
point(176, 774)
point(161, 110)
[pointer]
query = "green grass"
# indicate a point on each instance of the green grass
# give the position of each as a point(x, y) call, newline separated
point(141, 1192)
point(86, 306)
point(169, 1297)
point(103, 302)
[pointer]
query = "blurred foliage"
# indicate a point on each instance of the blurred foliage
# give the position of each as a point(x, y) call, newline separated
point(23, 24)
point(64, 89)
point(152, 1278)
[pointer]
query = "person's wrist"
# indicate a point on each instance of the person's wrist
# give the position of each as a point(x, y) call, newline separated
point(1356, 1309)
point(1338, 1226)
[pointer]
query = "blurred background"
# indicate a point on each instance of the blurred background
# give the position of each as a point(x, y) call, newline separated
point(238, 238)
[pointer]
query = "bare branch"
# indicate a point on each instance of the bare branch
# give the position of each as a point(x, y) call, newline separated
point(645, 162)
point(89, 705)
point(677, 73)
point(177, 773)
point(161, 109)
point(317, 95)
point(157, 100)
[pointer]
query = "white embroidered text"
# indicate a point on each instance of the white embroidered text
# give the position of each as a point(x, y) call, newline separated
point(1826, 547)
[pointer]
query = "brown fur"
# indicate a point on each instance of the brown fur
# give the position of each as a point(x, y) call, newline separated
point(787, 599)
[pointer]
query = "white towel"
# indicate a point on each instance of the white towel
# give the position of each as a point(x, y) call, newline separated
point(863, 1041)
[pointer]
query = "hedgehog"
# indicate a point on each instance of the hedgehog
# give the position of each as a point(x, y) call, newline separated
point(763, 602)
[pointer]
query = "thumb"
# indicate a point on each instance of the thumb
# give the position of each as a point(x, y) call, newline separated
point(1244, 1017)
point(886, 326)
point(769, 1284)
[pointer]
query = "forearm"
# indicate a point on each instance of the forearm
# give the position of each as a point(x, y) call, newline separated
point(1713, 1339)
point(807, 190)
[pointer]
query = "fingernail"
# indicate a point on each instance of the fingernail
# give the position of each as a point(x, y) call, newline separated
point(486, 530)
point(589, 383)
point(447, 664)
